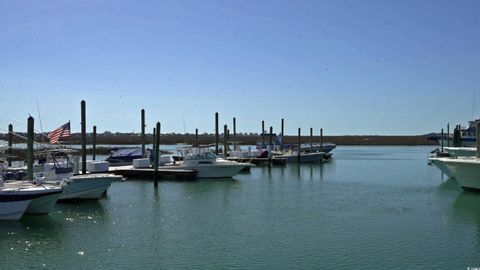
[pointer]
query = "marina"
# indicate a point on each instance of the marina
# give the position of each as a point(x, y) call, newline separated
point(414, 217)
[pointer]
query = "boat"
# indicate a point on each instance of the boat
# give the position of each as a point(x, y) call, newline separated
point(207, 164)
point(59, 170)
point(42, 205)
point(466, 170)
point(15, 201)
point(125, 156)
point(468, 136)
point(440, 164)
point(305, 157)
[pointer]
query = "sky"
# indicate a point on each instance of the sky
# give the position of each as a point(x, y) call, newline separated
point(350, 67)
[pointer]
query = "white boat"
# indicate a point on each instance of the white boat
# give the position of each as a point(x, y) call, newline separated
point(14, 201)
point(466, 170)
point(207, 164)
point(42, 205)
point(440, 164)
point(461, 151)
point(59, 171)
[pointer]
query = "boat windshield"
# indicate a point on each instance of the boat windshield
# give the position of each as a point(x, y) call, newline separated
point(204, 155)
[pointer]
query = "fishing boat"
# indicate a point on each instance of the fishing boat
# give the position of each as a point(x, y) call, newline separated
point(440, 164)
point(59, 170)
point(207, 164)
point(15, 200)
point(42, 205)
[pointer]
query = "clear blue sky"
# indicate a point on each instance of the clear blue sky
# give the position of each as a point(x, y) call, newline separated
point(351, 67)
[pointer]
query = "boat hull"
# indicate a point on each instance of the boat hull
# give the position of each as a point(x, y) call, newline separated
point(466, 172)
point(13, 210)
point(88, 188)
point(440, 164)
point(42, 205)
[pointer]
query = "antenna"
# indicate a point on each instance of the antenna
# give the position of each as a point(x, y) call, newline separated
point(40, 120)
point(184, 132)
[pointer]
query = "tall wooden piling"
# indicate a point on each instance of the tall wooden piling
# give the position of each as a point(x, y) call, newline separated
point(448, 134)
point(154, 135)
point(478, 139)
point(441, 141)
point(196, 137)
point(84, 137)
point(299, 143)
point(281, 134)
point(225, 141)
point(142, 136)
point(157, 153)
point(311, 140)
point(30, 134)
point(271, 146)
point(94, 143)
point(263, 133)
point(10, 144)
point(321, 140)
point(217, 136)
point(234, 134)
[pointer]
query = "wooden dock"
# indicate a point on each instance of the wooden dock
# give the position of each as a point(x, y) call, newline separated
point(148, 173)
point(260, 161)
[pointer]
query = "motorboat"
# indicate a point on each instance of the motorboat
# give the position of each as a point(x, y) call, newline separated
point(59, 170)
point(466, 170)
point(15, 200)
point(42, 205)
point(125, 156)
point(207, 164)
point(440, 164)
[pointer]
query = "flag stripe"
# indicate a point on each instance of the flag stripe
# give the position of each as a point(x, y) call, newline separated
point(61, 132)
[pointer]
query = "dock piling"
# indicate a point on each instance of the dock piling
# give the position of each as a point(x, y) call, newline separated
point(217, 137)
point(311, 140)
point(234, 134)
point(448, 134)
point(321, 140)
point(10, 144)
point(225, 141)
point(299, 144)
point(478, 139)
point(94, 143)
point(281, 134)
point(84, 137)
point(154, 135)
point(196, 137)
point(263, 133)
point(270, 146)
point(157, 153)
point(441, 141)
point(30, 134)
point(142, 136)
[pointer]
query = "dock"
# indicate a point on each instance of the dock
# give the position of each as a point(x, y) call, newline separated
point(148, 173)
point(260, 161)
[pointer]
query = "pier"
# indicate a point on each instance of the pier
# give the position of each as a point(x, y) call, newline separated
point(149, 173)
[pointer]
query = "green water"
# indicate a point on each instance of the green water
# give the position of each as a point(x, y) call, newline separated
point(370, 208)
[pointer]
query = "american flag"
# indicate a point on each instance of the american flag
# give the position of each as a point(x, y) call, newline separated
point(61, 132)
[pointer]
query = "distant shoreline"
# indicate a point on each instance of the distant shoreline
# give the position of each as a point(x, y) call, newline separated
point(251, 139)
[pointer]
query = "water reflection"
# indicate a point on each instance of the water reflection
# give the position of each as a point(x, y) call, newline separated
point(467, 207)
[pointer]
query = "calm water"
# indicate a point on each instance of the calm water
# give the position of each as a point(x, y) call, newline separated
point(370, 208)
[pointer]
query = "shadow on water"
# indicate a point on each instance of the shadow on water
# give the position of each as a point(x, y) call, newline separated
point(450, 184)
